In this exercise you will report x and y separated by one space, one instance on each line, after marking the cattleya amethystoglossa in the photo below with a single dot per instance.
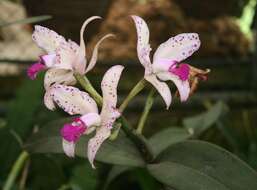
166 64
63 57
76 102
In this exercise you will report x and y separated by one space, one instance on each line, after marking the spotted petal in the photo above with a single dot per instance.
67 55
143 46
72 100
183 86
162 88
109 112
68 148
176 49
95 53
47 39
58 76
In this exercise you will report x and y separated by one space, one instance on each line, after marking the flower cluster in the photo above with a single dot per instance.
64 59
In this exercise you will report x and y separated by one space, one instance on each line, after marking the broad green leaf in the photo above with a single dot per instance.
21 115
200 159
83 177
181 177
27 20
199 123
115 172
162 140
121 151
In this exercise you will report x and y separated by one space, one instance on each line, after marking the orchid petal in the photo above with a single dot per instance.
48 60
47 39
68 148
91 119
95 53
109 85
82 42
143 46
66 55
162 88
58 76
109 112
34 69
94 143
72 100
48 100
176 49
183 86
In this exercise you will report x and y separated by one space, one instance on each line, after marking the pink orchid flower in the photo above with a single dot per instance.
62 57
73 101
166 64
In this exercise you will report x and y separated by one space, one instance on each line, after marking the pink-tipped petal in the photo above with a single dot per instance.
82 42
91 119
143 46
34 69
93 59
162 88
47 39
176 48
58 76
183 86
68 148
72 100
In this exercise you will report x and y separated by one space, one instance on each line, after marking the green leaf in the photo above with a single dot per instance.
27 20
199 123
121 151
183 178
206 165
84 177
115 172
162 140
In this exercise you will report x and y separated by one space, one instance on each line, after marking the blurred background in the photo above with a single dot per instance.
227 29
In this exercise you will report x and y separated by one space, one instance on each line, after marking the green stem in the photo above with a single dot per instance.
147 108
139 86
139 140
15 170
85 83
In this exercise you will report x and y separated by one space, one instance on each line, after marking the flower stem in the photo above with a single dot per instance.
139 140
139 86
85 83
15 170
147 108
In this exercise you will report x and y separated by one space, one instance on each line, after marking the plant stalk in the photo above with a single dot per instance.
139 86
15 170
147 108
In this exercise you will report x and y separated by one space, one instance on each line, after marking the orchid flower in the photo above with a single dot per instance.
73 101
62 57
166 64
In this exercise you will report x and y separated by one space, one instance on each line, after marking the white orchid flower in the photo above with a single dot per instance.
166 64
73 101
62 57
